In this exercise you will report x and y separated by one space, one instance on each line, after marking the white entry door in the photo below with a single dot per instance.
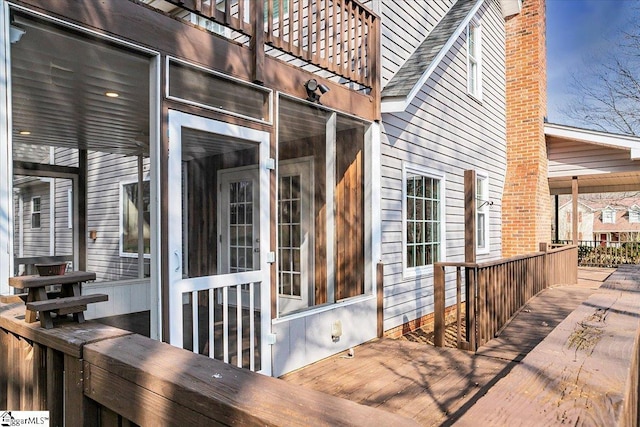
295 235
219 298
239 216
239 224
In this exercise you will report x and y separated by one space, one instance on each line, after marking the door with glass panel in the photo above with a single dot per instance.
239 218
295 235
219 302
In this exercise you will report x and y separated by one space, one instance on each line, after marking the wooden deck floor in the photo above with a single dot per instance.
542 314
435 386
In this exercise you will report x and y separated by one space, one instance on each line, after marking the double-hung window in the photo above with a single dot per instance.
482 213
36 210
423 204
130 207
474 62
608 216
634 214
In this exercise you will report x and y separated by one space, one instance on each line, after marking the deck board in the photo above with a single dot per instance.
404 377
437 385
541 315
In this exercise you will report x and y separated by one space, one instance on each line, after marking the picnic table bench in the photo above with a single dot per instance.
68 301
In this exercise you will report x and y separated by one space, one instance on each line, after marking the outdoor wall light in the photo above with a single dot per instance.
93 235
16 33
312 87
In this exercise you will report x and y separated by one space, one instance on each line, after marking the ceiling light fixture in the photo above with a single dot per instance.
312 86
112 94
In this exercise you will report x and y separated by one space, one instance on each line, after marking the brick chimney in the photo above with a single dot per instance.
526 204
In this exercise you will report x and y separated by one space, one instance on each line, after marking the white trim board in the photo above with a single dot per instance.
605 139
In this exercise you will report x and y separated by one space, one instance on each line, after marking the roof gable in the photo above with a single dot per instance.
406 83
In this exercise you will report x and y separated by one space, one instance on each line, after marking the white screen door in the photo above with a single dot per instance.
219 302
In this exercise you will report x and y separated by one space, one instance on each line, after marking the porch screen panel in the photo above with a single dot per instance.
349 200
81 124
220 204
308 133
302 138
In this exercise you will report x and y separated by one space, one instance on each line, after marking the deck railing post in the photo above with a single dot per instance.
438 304
256 12
471 274
4 367
546 265
55 386
79 410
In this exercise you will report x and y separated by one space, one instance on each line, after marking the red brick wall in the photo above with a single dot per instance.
526 205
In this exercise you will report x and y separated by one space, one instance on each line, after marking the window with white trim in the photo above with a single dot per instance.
482 212
129 239
423 219
474 63
608 216
36 209
69 208
634 214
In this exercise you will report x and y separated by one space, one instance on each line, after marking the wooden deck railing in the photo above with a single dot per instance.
94 374
341 36
605 253
495 291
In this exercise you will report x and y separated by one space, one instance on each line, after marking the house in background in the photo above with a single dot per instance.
586 216
239 170
604 219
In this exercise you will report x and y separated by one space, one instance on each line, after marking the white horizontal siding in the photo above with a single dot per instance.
63 234
446 130
105 173
35 241
404 26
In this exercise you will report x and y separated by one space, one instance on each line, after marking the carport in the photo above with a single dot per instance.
587 161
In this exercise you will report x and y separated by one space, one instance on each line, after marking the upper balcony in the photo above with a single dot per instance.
341 37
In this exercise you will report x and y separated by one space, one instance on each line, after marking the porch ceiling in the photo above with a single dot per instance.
601 161
59 81
603 183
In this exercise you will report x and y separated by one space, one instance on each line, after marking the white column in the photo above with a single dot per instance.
6 214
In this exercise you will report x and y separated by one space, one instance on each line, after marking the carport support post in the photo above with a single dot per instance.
574 215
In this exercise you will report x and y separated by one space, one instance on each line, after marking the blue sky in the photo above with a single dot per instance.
579 31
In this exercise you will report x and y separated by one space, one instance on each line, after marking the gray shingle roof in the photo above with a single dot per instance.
411 72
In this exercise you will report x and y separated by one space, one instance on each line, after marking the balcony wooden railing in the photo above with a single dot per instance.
94 374
341 36
497 290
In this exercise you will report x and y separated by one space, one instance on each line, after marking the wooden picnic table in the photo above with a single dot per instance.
69 301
